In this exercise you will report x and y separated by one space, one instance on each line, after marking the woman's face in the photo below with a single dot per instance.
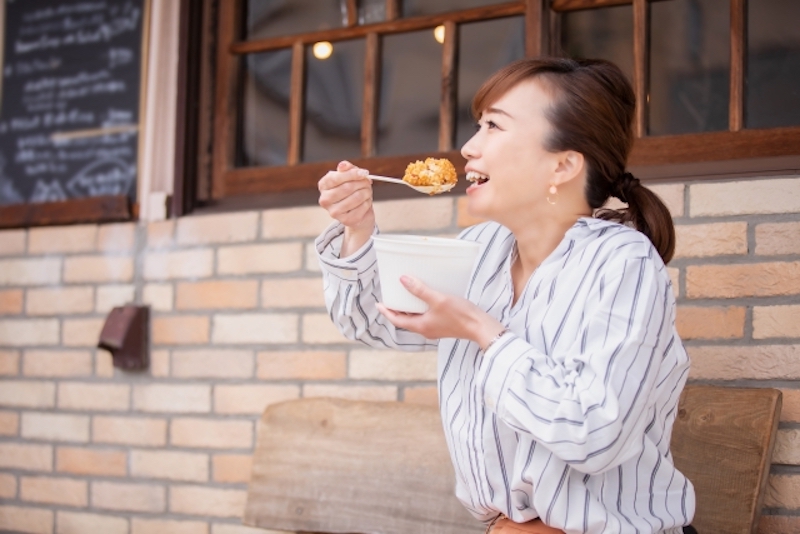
507 156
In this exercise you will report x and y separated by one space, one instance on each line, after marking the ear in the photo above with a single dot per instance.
570 166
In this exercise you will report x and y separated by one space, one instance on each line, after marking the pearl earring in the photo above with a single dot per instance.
554 193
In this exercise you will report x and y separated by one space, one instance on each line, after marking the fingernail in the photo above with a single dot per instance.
341 165
363 172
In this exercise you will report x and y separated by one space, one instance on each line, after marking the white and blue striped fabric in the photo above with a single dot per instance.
568 417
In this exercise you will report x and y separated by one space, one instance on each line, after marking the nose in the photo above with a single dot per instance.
470 148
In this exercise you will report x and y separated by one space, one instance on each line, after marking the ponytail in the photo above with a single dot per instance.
645 212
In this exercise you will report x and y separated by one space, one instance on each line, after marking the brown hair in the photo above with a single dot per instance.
592 113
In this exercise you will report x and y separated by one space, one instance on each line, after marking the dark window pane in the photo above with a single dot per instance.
334 97
265 108
603 33
773 63
689 66
478 61
371 11
271 18
410 93
418 8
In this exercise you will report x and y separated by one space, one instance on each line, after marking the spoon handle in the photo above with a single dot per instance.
387 179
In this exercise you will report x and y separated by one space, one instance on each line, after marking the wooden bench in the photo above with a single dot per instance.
337 466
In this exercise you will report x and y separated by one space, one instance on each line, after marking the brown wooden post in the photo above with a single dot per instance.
372 83
449 103
736 110
296 103
641 64
225 101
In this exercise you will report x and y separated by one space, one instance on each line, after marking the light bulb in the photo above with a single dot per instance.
438 33
322 50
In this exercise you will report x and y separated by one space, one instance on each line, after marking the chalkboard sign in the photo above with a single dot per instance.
69 111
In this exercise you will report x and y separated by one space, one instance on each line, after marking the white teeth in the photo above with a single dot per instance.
473 176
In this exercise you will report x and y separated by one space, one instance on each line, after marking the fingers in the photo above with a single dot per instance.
418 289
345 172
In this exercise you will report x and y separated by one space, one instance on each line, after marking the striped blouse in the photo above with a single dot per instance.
567 417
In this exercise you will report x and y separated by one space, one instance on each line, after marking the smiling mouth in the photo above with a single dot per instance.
477 178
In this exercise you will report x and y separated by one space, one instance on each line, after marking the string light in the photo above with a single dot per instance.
322 50
438 33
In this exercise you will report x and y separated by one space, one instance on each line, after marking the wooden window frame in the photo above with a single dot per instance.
735 152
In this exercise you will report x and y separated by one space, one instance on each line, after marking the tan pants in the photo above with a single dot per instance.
503 525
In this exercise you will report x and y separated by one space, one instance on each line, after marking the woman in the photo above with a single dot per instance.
560 373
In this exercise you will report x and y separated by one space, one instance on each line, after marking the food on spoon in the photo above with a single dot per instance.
438 173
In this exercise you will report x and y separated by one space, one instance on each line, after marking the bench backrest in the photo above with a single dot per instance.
338 466
722 441
331 465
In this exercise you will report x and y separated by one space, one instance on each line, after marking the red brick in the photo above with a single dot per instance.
734 362
81 523
421 395
99 397
743 280
166 526
302 365
11 302
9 423
26 456
790 410
9 362
199 500
128 497
715 239
251 399
143 431
25 519
181 330
57 363
232 468
776 321
217 294
211 433
51 490
55 426
212 363
170 465
707 322
172 398
8 486
92 462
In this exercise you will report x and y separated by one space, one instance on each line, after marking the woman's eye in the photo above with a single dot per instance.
491 125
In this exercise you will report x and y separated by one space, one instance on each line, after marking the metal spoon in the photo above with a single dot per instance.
427 189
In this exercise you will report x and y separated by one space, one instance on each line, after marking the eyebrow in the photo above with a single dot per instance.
498 111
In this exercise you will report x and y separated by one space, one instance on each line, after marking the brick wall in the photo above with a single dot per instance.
238 322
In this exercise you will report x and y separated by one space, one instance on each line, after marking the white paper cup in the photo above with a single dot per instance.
440 263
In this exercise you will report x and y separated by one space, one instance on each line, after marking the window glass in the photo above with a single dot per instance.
477 62
264 108
602 33
773 64
418 8
411 80
689 66
273 18
371 11
334 99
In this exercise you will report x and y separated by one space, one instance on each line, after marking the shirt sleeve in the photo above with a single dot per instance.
352 289
591 407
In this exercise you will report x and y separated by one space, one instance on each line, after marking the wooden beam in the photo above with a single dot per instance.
575 5
77 211
403 25
372 84
296 104
641 64
537 22
448 107
352 12
736 108
392 9
225 115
